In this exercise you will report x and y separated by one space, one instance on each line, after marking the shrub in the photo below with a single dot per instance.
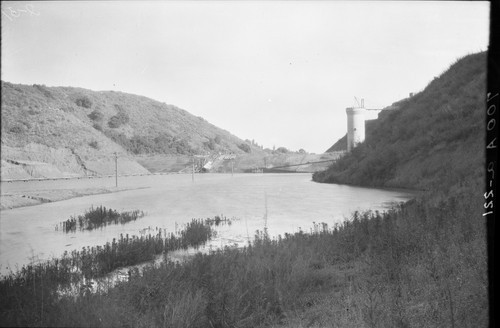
96 115
141 145
84 102
124 118
16 129
245 147
118 120
163 143
94 144
210 144
282 150
182 147
114 122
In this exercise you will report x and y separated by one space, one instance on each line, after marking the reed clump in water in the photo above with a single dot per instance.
98 217
219 220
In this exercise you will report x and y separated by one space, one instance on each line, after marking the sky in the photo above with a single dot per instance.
277 72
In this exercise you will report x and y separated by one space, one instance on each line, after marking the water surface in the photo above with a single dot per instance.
280 202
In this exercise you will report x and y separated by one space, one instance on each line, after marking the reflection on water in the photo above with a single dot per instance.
289 202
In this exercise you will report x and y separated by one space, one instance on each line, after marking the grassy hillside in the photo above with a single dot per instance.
434 139
89 126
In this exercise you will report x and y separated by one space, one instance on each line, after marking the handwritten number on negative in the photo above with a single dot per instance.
492 145
491 169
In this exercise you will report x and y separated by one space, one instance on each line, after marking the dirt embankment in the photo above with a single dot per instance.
289 162
29 198
35 161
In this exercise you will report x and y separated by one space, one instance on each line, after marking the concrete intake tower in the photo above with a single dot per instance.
355 126
356 118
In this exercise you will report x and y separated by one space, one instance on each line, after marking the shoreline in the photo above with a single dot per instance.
85 177
19 199
134 175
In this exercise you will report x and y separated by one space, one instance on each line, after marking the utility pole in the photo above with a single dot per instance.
265 214
232 167
192 175
116 169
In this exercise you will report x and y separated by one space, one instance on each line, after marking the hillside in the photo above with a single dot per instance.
66 131
434 140
340 145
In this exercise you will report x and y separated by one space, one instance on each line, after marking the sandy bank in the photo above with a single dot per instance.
29 198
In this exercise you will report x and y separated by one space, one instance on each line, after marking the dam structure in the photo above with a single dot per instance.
356 118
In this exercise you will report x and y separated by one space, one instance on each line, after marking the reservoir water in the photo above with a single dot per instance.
280 202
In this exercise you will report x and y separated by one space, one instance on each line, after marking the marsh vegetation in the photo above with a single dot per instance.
98 217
